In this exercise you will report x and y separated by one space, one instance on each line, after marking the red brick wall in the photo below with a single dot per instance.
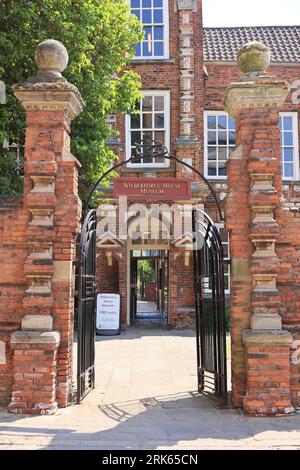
150 292
107 277
288 283
181 289
13 251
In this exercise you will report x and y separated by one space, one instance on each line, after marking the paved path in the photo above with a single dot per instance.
145 398
144 306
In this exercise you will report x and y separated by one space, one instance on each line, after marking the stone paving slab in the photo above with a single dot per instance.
146 398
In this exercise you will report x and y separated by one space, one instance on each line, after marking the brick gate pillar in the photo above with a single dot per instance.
43 347
260 347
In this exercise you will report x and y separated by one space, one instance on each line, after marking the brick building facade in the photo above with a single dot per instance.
191 74
185 72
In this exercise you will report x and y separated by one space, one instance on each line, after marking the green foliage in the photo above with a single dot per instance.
146 272
100 36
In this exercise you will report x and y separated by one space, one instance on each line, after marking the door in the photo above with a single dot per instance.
86 307
209 307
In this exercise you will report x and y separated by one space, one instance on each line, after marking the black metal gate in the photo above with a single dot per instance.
86 306
210 307
209 287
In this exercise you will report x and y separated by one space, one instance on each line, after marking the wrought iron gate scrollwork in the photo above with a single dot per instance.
209 307
86 306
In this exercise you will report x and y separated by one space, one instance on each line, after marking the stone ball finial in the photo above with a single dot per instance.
51 57
254 58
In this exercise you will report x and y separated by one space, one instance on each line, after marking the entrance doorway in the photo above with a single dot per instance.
149 287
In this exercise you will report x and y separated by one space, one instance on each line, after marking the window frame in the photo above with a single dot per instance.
215 113
166 32
296 176
167 113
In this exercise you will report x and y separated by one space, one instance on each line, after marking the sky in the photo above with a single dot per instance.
251 12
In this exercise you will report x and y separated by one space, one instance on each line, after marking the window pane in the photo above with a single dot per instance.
136 13
222 138
212 153
211 122
226 277
212 138
159 48
232 137
159 121
146 16
157 16
225 246
212 171
288 138
159 103
146 3
222 122
147 121
157 3
147 49
288 154
288 123
135 121
147 137
222 153
159 158
135 138
231 123
138 50
147 103
158 32
222 169
135 3
288 170
224 237
159 137
148 33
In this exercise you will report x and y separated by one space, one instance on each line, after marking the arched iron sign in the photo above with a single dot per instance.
86 276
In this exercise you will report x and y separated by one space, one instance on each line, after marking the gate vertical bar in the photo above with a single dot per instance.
86 307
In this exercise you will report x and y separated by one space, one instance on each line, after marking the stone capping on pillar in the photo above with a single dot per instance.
48 89
261 93
256 89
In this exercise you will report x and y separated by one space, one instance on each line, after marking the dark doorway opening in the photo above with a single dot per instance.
149 287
